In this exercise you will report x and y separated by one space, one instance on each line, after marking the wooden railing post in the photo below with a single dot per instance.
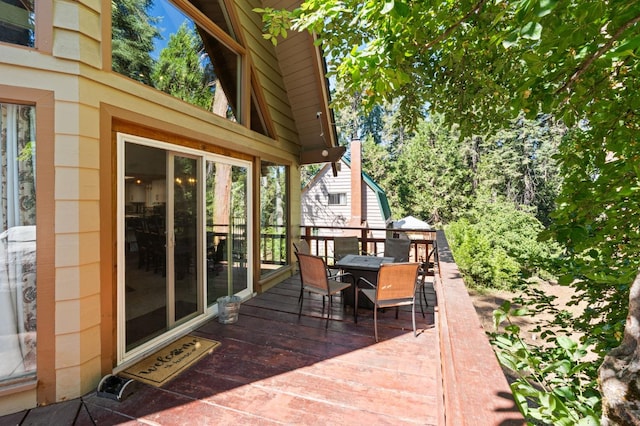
364 240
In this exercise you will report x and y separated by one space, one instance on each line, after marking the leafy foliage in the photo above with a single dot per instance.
555 381
598 219
479 62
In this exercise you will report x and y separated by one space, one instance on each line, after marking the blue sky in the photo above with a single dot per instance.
170 20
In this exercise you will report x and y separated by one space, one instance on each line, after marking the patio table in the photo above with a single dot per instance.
360 266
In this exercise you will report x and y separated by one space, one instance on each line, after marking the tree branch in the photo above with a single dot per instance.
591 59
453 27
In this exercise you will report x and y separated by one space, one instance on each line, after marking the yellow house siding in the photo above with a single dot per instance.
87 343
84 376
262 51
14 401
76 183
263 56
34 70
76 195
82 91
72 316
113 89
76 36
77 32
77 16
77 216
78 366
77 281
284 133
76 150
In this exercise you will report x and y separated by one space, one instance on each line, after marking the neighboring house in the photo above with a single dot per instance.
349 199
126 211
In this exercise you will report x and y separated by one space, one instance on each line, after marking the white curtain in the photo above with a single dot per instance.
17 242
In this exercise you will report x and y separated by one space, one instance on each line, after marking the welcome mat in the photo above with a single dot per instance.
168 362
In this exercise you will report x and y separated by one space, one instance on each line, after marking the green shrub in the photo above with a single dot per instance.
497 246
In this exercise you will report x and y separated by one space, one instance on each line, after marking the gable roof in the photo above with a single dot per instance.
303 70
381 196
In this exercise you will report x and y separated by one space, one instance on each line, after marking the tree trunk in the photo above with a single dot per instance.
220 103
619 376
222 189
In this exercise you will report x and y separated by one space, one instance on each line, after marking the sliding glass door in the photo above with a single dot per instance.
227 232
184 239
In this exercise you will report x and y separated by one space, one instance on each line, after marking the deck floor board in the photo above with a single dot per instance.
276 368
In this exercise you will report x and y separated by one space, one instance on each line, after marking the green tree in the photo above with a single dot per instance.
435 172
518 163
373 124
132 35
183 69
496 245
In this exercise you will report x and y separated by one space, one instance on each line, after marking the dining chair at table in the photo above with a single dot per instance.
314 279
396 287
343 246
301 246
398 248
427 274
424 278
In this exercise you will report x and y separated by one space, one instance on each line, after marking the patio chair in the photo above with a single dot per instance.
314 279
343 246
428 268
301 246
396 287
398 248
421 283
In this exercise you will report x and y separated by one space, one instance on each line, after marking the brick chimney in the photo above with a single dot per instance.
356 183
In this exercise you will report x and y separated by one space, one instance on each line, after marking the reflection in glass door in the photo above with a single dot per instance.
184 239
227 237
161 223
146 284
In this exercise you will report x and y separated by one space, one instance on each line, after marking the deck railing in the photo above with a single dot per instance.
321 241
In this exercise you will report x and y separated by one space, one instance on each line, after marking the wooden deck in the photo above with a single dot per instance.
273 368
